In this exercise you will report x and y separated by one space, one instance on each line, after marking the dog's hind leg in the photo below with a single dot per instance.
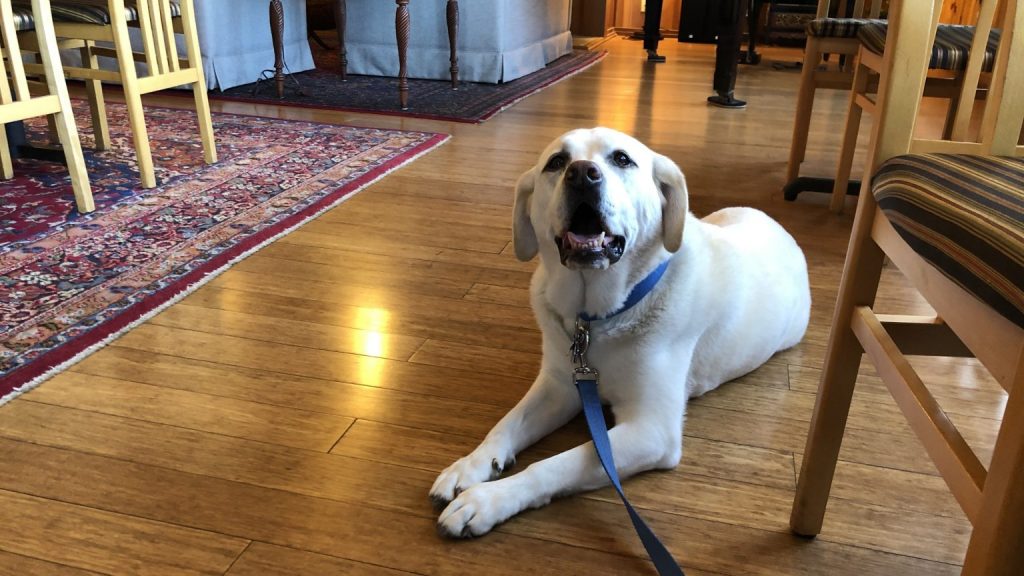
549 404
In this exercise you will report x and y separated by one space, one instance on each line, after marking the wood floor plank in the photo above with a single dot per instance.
392 302
374 343
419 323
311 473
353 368
345 530
261 559
572 534
485 360
109 542
296 392
18 565
194 410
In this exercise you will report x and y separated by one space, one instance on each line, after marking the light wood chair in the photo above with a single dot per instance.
18 104
949 213
832 33
82 23
949 62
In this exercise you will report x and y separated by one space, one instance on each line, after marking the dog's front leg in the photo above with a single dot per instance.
548 404
646 437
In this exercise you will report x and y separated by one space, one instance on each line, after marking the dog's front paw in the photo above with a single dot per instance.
477 510
468 471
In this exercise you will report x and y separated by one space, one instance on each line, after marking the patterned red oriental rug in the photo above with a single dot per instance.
473 102
71 283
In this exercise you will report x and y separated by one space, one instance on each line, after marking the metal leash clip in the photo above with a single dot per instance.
578 349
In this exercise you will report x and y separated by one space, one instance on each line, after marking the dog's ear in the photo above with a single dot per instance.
523 236
675 206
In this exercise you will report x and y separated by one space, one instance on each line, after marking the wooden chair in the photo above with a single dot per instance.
832 33
949 214
19 104
82 23
949 59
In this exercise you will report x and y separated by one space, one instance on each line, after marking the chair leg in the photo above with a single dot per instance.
188 24
804 107
52 136
850 132
995 548
6 165
133 98
205 121
859 284
64 119
94 89
76 161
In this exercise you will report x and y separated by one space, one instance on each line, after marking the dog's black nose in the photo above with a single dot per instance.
582 174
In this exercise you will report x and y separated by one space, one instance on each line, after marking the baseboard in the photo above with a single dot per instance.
626 32
592 42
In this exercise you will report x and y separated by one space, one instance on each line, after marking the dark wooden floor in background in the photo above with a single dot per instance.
289 417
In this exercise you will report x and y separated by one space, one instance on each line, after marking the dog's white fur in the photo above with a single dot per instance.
735 293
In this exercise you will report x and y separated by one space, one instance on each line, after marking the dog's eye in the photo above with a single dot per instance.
557 162
622 160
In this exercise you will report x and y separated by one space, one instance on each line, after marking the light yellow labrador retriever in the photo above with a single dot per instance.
602 211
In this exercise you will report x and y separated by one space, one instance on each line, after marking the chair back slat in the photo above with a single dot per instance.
170 40
841 9
907 53
159 45
1004 108
148 49
972 74
156 18
17 69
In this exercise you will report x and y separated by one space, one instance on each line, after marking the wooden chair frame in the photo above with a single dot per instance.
965 87
20 104
993 500
813 78
166 69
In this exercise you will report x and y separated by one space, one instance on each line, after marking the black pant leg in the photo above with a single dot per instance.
652 24
728 47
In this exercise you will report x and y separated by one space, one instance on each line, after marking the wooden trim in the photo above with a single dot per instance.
959 465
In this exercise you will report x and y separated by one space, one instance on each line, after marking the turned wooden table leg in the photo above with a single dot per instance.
402 25
340 10
277 35
453 34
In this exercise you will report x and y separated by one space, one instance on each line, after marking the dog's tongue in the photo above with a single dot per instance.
584 241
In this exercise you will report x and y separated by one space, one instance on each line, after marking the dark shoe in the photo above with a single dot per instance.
653 56
726 102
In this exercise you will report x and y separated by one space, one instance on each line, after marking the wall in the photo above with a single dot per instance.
629 17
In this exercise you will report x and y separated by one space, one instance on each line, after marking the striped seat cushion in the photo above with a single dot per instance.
951 48
836 27
965 215
23 19
92 11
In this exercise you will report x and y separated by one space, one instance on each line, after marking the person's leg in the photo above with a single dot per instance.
652 30
726 56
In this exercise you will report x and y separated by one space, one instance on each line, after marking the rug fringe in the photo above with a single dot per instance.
50 373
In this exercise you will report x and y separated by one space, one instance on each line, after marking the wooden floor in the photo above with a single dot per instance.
289 417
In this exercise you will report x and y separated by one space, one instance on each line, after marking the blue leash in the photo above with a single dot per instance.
585 379
662 558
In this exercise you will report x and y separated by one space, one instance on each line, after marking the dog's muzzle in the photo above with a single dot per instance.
586 241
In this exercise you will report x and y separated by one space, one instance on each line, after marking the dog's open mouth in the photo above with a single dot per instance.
587 243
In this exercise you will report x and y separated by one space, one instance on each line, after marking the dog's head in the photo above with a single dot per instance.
595 195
